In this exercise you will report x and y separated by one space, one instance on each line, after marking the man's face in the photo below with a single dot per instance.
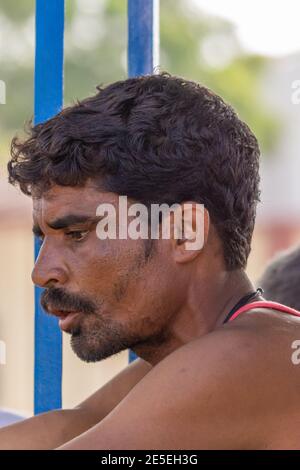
109 294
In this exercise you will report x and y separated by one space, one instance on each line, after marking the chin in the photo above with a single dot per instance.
88 351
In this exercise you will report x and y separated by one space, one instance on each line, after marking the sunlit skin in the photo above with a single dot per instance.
198 384
152 305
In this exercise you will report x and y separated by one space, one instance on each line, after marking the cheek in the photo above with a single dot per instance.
149 290
102 265
163 285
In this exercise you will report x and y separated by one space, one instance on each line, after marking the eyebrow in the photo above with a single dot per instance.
66 221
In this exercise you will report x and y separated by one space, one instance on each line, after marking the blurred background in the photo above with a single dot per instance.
248 52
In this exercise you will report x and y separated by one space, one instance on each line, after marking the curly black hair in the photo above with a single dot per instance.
157 139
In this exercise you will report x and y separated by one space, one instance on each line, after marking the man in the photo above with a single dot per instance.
281 278
198 383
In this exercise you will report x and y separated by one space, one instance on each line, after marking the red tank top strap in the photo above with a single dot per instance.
265 304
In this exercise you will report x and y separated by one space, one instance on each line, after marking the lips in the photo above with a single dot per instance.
67 320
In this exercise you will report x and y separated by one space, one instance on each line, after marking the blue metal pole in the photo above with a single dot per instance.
143 36
143 46
48 100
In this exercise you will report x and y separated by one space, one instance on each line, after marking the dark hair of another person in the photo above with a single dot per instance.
281 278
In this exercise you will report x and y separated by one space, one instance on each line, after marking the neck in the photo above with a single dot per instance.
241 287
205 309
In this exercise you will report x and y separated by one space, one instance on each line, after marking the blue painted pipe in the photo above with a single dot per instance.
143 36
48 100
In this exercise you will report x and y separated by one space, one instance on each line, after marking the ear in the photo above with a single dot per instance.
190 231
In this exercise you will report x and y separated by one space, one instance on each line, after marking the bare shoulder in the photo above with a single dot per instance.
237 384
206 394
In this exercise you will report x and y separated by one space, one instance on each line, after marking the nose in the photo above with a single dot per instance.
49 269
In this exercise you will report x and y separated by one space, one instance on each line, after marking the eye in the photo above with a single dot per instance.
77 235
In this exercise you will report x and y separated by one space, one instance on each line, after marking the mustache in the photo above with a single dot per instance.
58 299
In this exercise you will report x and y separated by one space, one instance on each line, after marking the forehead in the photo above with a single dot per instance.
59 200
